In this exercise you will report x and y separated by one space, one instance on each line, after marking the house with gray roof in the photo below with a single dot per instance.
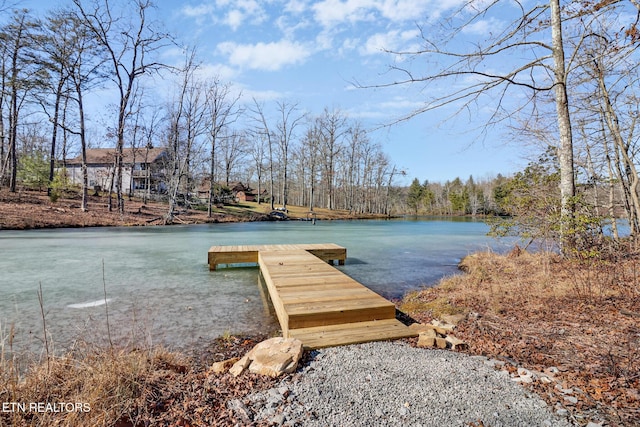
143 169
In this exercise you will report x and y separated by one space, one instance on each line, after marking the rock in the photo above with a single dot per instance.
456 343
428 332
427 339
241 410
545 379
220 367
453 319
443 327
524 372
440 328
523 376
240 366
273 357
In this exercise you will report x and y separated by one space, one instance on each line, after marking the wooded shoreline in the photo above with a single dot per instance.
25 210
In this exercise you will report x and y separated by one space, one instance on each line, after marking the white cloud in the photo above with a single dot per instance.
242 11
231 13
295 6
265 56
234 18
402 10
324 40
333 12
392 40
197 11
349 45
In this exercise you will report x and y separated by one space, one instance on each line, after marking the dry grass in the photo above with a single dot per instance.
106 387
539 311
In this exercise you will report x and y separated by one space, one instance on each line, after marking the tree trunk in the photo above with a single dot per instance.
565 149
54 131
633 202
212 177
83 144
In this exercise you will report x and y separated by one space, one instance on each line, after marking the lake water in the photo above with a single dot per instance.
159 288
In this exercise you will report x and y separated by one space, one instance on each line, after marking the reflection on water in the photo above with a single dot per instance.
159 289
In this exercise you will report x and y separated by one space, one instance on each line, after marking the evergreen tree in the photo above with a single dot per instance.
415 196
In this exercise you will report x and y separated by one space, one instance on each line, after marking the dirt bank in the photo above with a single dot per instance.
27 209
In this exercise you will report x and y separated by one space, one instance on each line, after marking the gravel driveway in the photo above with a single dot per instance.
394 384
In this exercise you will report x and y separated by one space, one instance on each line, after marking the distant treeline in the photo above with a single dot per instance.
456 197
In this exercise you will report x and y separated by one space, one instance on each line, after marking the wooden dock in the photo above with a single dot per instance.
314 301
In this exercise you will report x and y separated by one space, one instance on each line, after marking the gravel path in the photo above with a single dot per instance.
394 384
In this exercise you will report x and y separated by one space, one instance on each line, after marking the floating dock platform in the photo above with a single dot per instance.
314 301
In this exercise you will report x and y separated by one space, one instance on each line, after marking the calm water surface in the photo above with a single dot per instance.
159 288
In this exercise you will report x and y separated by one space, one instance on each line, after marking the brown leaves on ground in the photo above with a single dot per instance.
33 209
540 311
133 388
28 209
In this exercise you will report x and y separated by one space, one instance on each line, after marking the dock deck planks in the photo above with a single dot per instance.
249 253
314 301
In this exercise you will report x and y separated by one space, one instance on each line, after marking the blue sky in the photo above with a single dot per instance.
312 52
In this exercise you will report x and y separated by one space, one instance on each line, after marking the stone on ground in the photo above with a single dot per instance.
273 357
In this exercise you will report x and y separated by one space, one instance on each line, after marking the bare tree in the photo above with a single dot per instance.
311 156
358 138
130 41
288 121
262 130
76 58
332 126
223 111
233 148
189 121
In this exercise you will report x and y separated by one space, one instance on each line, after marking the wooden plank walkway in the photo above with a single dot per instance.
313 301
249 253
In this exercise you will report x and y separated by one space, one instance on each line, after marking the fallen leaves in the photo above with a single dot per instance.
538 311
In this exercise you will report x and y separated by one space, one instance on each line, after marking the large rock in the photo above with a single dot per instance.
427 338
439 327
220 367
453 319
273 357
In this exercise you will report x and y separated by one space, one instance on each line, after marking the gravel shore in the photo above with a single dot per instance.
394 384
